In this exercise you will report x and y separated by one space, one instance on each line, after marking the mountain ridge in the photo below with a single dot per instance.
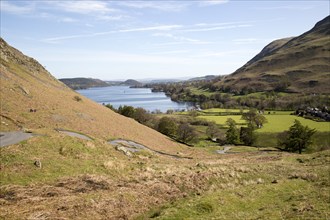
298 64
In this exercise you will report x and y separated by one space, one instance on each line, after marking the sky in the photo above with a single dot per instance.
113 40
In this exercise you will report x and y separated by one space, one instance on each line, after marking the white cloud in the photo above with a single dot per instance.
100 10
170 52
141 29
111 17
83 7
221 27
212 2
169 6
152 28
245 40
251 41
285 7
67 20
117 57
15 9
178 38
225 53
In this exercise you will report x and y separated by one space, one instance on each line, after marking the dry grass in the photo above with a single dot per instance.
149 184
27 85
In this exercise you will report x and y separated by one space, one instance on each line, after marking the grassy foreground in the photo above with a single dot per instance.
275 186
82 179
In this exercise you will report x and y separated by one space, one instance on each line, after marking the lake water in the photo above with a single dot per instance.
136 97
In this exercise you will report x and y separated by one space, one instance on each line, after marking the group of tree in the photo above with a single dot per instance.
178 130
296 139
226 97
243 135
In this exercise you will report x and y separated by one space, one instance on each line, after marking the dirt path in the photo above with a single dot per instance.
131 146
75 134
225 149
13 137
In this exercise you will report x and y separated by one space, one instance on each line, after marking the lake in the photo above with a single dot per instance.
136 97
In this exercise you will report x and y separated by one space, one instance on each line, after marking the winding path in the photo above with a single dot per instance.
13 137
225 149
135 147
74 134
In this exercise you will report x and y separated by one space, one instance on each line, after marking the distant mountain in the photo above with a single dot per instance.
132 82
83 83
298 64
205 78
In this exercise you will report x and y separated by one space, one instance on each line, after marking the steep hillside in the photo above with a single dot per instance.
83 83
299 64
31 98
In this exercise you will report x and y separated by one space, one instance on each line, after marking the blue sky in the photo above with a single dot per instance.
151 39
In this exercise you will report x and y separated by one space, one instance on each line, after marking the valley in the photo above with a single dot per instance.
256 145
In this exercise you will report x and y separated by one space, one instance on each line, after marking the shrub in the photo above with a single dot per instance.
127 111
77 98
167 126
186 133
212 130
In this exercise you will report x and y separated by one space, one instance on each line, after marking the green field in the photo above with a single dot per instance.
278 121
222 110
221 120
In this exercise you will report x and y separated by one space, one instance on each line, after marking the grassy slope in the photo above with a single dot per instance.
26 85
245 189
298 61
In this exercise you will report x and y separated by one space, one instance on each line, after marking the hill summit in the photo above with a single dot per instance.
298 64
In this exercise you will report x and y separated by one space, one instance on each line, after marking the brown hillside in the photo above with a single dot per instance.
25 85
300 64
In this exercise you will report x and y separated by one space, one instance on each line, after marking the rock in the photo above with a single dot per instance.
124 150
260 181
37 163
274 181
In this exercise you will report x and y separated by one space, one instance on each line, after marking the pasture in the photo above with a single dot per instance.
278 121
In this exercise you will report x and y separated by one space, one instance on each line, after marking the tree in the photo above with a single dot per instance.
212 130
297 138
141 115
186 133
109 106
247 135
254 118
167 126
127 111
232 134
